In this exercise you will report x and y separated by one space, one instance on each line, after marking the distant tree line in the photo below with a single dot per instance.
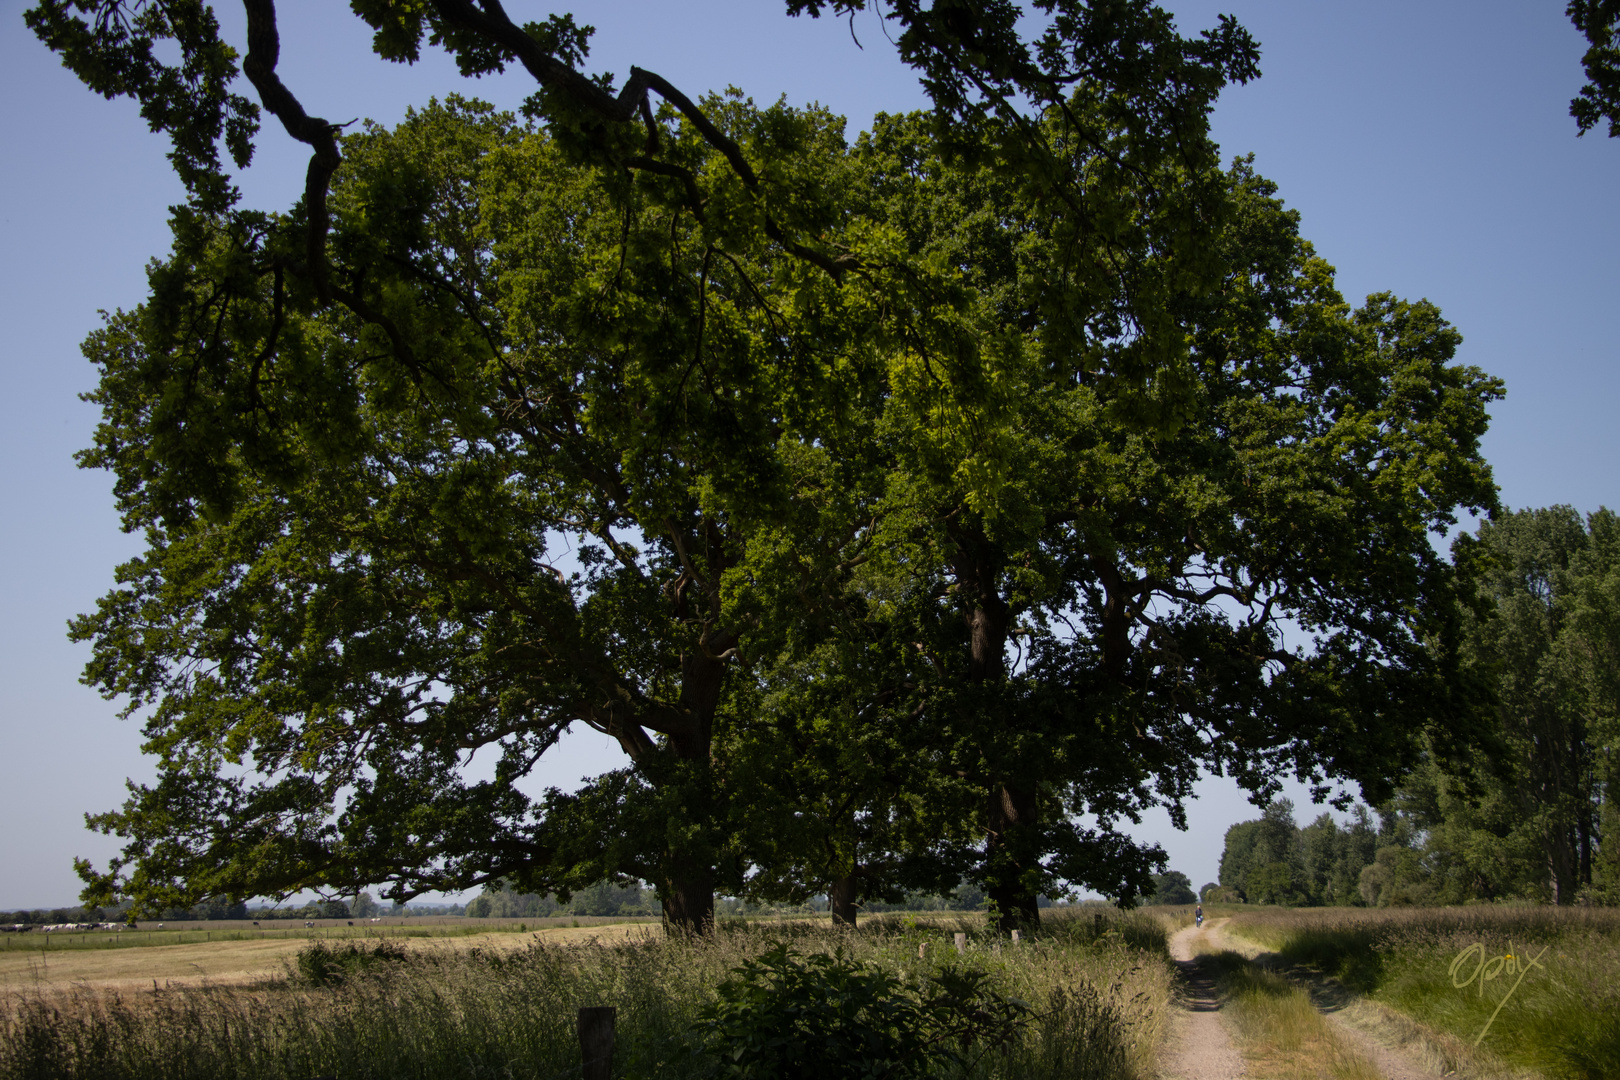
608 899
362 906
1272 861
1526 813
603 898
50 916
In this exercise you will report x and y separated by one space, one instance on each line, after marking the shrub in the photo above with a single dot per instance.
833 1017
320 964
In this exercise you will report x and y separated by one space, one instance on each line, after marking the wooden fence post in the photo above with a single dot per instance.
1097 920
1015 937
596 1041
961 943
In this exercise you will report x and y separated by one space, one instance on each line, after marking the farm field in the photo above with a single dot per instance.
182 957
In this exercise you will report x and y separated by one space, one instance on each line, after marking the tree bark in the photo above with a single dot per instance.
1561 865
1012 805
1012 809
689 892
689 899
841 898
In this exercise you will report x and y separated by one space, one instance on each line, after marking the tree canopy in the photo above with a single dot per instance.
1535 817
1529 812
935 502
1599 99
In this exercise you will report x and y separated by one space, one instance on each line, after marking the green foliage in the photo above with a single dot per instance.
1529 814
1599 99
1172 887
790 1016
122 51
321 963
1272 861
924 496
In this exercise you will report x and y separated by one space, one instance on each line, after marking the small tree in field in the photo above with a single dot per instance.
1172 887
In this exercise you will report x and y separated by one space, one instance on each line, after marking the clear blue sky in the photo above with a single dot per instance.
1427 145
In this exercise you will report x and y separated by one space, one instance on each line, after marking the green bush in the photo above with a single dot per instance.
833 1017
321 964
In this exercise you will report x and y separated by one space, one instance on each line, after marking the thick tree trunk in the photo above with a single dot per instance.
841 898
1012 812
689 900
1561 866
1011 815
1583 836
689 885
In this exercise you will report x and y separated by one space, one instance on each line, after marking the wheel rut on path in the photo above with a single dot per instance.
1330 999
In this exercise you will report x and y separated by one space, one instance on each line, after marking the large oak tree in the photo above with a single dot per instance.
1085 582
991 453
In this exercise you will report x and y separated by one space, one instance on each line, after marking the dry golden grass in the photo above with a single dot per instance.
467 1009
241 961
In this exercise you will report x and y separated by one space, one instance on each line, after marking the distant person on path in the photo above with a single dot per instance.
1198 913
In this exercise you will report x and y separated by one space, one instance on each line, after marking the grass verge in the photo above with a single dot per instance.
1279 1031
1532 986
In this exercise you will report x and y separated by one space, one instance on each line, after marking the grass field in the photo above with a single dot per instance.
504 1005
1538 987
193 933
189 959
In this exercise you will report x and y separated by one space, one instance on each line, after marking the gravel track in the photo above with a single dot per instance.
1198 1046
1330 1000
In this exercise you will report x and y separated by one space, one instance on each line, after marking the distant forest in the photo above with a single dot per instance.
1527 810
1428 846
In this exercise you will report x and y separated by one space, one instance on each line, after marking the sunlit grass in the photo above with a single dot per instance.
1559 1016
1101 991
1281 1034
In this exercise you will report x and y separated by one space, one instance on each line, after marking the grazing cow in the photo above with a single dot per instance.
308 925
351 922
255 922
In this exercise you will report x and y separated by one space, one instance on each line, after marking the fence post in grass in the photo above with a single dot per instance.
1097 921
961 943
596 1041
1015 937
922 951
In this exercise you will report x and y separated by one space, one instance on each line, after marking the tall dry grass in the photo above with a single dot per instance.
1561 1019
1102 992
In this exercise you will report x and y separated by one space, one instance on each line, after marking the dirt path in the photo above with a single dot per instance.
1198 1046
1339 1006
